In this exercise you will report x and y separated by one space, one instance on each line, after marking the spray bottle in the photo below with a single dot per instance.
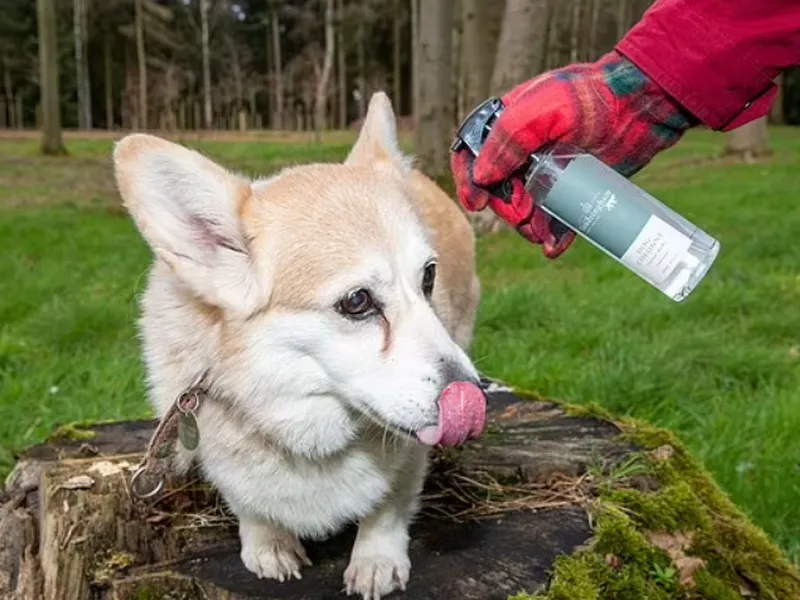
583 194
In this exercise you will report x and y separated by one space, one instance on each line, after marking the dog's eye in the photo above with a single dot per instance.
428 278
357 304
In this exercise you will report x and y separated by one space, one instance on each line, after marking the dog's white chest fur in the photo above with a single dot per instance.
311 498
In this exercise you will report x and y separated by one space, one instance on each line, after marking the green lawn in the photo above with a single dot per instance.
722 369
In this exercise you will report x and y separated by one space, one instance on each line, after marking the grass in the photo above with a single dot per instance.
721 369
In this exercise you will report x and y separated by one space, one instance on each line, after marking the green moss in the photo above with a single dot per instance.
151 591
575 580
588 411
622 564
148 592
71 432
733 546
109 564
673 508
708 586
619 564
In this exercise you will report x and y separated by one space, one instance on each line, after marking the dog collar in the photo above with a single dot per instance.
178 424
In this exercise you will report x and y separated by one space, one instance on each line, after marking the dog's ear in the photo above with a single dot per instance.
377 142
187 209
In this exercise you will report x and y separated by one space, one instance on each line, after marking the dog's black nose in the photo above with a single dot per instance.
450 371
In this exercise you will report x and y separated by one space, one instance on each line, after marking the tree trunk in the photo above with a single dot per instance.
205 6
480 31
108 83
458 82
415 61
321 98
543 495
141 57
520 53
623 17
524 23
362 69
397 31
342 67
48 78
20 112
776 113
594 29
541 52
277 73
435 126
9 90
749 141
575 37
268 70
82 65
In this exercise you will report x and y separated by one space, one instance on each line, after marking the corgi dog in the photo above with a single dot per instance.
332 307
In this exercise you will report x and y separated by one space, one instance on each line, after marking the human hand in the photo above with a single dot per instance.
608 108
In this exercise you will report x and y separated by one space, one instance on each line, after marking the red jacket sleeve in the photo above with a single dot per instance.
718 58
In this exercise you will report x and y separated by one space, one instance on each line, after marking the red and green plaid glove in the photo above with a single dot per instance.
608 108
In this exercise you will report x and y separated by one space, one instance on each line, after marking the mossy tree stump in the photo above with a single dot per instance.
553 502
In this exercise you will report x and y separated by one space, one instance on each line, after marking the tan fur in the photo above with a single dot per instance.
455 242
246 282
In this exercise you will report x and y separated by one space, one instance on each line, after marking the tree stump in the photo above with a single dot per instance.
553 500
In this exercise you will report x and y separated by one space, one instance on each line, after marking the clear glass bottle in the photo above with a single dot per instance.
609 211
621 219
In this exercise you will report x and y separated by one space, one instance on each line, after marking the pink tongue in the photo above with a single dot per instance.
462 415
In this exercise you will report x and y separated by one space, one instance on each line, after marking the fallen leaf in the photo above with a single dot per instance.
675 545
687 566
664 452
745 592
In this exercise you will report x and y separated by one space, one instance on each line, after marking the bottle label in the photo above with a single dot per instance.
604 206
657 250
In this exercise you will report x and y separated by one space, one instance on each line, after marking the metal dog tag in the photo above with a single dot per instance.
188 431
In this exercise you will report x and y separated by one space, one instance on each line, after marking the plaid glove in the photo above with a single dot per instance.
608 108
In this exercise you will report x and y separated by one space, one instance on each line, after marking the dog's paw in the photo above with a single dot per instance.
376 576
273 555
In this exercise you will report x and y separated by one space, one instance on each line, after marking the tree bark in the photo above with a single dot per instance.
575 37
108 83
9 90
362 67
82 65
749 141
594 29
397 30
776 113
52 142
623 17
205 6
524 23
458 80
277 71
480 30
321 99
342 67
434 129
141 58
415 61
